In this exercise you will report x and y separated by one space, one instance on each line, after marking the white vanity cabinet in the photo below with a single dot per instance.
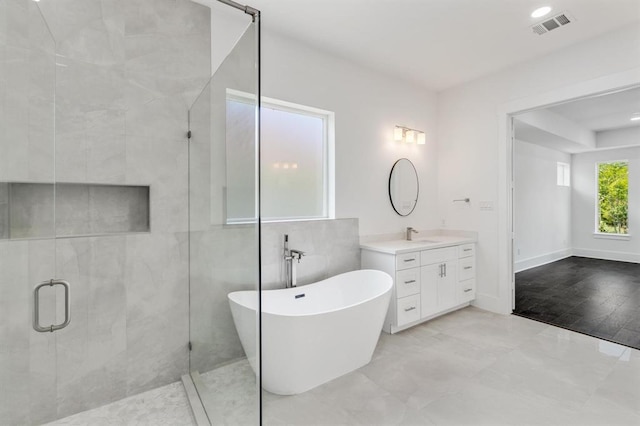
428 282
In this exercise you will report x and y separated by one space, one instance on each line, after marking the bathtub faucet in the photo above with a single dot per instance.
289 267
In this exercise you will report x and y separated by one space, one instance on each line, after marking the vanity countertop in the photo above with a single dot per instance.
417 244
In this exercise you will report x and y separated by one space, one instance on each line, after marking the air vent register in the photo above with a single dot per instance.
552 23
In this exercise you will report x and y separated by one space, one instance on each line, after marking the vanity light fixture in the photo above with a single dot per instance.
407 135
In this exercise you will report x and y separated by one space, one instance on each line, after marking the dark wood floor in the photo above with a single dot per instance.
591 296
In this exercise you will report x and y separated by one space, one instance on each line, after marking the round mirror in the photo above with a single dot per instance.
403 187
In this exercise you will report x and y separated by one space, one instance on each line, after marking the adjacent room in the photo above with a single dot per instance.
576 200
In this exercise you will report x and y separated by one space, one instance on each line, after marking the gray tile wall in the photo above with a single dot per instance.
127 72
221 258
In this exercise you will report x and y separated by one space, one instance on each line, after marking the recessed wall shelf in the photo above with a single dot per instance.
44 210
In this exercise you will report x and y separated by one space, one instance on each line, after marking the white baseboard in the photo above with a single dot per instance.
492 304
532 262
620 256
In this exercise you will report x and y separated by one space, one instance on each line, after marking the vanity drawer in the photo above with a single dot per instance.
466 250
429 257
466 291
407 282
466 268
407 260
408 309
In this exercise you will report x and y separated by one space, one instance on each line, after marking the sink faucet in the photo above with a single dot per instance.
289 267
410 231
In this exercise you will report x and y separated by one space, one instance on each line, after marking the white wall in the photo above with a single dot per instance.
367 106
584 206
470 151
542 209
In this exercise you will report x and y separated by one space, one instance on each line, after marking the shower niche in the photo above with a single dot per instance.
79 209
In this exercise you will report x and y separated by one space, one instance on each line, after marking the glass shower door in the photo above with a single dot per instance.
224 232
28 376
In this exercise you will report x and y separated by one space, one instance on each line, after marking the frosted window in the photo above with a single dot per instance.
294 162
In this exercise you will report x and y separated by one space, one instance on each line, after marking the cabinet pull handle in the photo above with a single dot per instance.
466 250
467 267
468 290
410 260
440 270
445 269
410 282
409 309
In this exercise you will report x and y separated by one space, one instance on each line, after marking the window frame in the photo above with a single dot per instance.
328 151
597 233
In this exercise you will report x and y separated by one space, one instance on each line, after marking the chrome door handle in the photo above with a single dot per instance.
36 306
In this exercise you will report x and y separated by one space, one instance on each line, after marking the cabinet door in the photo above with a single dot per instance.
429 279
446 288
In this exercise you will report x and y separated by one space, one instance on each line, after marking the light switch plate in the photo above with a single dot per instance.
486 205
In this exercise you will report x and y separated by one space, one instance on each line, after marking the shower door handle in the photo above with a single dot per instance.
36 306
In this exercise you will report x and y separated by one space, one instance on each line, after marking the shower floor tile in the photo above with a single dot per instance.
164 406
597 297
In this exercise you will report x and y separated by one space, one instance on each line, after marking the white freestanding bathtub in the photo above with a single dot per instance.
314 333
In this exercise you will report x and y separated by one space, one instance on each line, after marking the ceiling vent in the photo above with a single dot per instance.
552 23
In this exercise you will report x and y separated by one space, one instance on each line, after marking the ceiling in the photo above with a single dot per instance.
599 113
439 43
604 112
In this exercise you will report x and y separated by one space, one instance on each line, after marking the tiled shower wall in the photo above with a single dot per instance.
127 72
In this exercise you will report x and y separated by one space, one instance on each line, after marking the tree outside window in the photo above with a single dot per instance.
613 193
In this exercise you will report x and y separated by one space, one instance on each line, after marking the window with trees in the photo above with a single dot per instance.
613 195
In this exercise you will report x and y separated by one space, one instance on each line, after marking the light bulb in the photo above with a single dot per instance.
410 136
422 138
398 133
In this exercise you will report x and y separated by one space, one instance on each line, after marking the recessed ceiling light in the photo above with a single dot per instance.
540 12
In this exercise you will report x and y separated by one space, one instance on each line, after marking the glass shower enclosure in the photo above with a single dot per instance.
224 234
123 225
